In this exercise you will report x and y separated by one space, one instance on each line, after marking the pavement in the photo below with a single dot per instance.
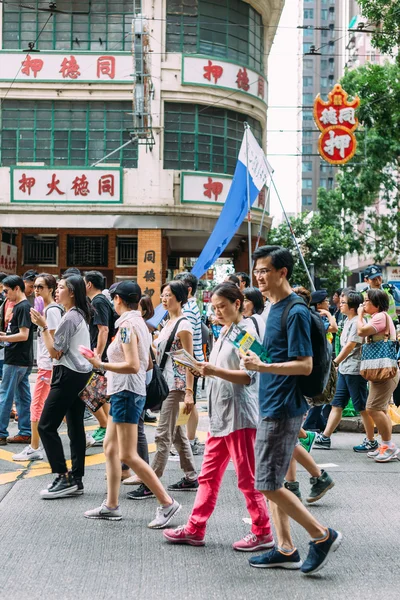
49 550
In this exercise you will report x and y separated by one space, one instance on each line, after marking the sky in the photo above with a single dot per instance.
283 82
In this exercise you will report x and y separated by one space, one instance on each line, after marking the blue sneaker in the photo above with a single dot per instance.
274 558
318 553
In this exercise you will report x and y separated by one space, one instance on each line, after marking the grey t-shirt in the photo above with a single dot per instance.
351 364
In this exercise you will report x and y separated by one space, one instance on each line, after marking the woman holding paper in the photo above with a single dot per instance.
233 412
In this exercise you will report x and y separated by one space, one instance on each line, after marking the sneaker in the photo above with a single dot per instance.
321 441
134 480
319 486
148 418
293 486
184 485
366 446
309 441
318 553
181 536
164 515
141 493
29 453
61 487
197 447
99 436
103 512
80 490
173 451
252 542
88 415
276 558
3 441
19 439
386 454
90 441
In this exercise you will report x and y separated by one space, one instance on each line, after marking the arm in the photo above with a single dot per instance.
302 365
21 336
101 339
363 329
186 338
333 328
240 377
131 364
345 351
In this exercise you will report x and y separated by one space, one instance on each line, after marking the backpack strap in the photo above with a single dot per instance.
169 343
255 325
285 313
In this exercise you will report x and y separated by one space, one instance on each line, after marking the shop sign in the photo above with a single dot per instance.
210 188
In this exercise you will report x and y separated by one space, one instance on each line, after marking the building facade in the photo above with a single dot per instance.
66 88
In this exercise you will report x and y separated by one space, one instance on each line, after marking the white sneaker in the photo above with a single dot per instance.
90 441
29 453
164 515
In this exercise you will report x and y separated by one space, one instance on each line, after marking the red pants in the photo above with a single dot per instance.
238 446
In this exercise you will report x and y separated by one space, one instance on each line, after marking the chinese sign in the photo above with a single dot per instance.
69 68
66 185
150 263
212 72
207 188
8 258
337 122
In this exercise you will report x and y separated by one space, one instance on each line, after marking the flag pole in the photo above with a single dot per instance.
266 203
246 130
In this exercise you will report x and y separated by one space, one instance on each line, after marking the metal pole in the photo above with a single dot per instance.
247 127
133 139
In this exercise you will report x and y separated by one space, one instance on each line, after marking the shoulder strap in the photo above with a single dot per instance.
255 325
169 343
285 313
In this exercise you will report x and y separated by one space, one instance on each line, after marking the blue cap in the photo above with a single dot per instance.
372 272
318 296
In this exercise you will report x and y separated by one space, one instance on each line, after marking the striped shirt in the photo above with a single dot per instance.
192 313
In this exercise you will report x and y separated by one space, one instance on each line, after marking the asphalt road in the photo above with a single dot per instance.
49 550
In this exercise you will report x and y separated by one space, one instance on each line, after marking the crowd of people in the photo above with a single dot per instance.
259 417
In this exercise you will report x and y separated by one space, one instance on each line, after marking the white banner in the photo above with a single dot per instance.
209 188
8 258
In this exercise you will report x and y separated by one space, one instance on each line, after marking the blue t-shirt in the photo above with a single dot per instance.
280 395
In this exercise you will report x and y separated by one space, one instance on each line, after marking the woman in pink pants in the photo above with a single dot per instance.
233 412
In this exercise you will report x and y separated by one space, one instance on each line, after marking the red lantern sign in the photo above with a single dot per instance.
337 121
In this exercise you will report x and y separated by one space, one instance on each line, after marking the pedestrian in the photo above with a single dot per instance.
244 280
18 361
71 372
350 383
2 306
282 407
253 307
232 278
376 304
45 287
320 303
233 411
373 277
192 313
180 382
320 480
128 359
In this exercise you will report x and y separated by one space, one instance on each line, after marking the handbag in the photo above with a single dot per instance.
94 394
378 358
157 390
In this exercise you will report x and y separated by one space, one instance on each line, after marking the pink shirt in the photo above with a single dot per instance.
379 323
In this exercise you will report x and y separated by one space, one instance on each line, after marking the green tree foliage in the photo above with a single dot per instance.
383 16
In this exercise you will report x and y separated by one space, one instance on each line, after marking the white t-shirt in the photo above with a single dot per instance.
175 375
53 315
260 329
265 313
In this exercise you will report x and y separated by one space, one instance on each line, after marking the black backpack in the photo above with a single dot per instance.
314 384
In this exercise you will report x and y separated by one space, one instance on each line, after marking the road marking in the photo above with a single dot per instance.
327 465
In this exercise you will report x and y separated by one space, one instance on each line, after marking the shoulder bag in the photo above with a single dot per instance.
378 358
94 394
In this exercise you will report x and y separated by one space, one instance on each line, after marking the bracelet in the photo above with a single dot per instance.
102 367
189 390
45 328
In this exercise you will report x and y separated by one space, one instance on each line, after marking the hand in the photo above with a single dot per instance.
37 318
325 313
189 403
205 369
360 310
251 361
95 361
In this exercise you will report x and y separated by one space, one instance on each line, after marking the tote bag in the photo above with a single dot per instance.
378 358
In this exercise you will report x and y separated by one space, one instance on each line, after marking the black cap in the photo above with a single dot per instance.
372 272
127 290
318 296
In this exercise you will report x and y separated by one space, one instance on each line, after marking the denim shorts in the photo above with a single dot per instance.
350 386
275 441
126 407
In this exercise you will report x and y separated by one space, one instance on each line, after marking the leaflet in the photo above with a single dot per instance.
244 341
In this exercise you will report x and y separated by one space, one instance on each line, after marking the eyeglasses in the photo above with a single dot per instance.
165 296
257 272
39 287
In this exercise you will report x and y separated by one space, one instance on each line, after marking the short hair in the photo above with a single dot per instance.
354 299
379 299
230 291
70 271
188 279
2 276
255 296
179 290
303 293
347 290
50 280
95 278
12 281
30 275
244 277
233 279
147 305
280 257
338 291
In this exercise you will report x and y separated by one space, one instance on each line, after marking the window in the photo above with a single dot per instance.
307 149
307 81
308 99
307 47
307 134
126 251
308 63
324 64
225 28
308 13
66 133
324 82
306 166
307 184
308 32
87 251
307 115
323 183
325 168
97 25
306 200
198 138
324 14
40 250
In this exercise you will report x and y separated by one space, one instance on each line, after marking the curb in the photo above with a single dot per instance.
355 424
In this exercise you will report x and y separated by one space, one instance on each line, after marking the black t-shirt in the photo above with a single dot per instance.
20 353
103 315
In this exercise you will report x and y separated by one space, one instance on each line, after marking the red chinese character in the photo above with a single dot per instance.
106 185
106 66
214 71
53 186
27 184
70 68
213 188
242 80
80 186
261 87
35 64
